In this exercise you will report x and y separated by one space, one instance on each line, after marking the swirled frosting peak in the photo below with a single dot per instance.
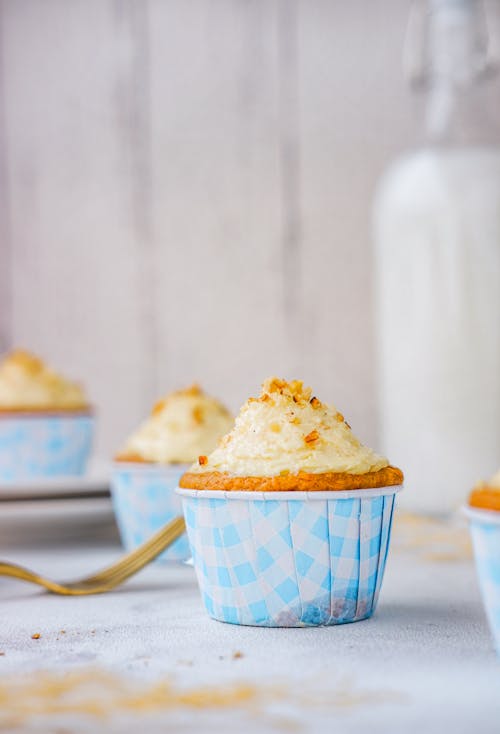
288 430
181 426
26 383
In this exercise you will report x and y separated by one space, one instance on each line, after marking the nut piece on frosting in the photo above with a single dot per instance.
287 439
181 426
27 384
486 495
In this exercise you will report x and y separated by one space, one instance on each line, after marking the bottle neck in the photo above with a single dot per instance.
454 71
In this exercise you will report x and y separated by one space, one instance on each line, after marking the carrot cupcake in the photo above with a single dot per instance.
289 517
146 471
483 511
46 422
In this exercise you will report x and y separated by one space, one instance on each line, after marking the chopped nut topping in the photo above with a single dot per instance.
238 654
294 389
275 427
295 421
158 407
202 460
311 437
266 398
339 417
315 402
35 636
198 415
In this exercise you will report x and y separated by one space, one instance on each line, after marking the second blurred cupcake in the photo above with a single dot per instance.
46 423
146 471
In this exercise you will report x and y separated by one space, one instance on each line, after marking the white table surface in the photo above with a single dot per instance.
423 663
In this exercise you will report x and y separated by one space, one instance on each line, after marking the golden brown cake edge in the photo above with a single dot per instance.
301 482
485 498
45 411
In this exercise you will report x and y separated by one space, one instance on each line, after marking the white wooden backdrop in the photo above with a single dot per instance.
186 191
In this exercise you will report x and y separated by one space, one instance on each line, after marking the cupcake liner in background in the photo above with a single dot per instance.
144 500
485 531
289 559
34 446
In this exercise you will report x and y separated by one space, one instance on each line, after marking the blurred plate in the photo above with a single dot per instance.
56 487
51 520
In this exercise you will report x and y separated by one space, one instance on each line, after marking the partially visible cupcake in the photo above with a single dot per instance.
46 422
146 472
484 514
289 518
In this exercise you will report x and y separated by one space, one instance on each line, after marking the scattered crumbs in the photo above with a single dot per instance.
35 636
97 693
62 632
2 654
237 655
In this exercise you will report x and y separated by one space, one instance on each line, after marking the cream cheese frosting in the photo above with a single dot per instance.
287 430
182 426
26 383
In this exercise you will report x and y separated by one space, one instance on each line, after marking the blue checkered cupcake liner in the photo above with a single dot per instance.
44 445
485 531
289 559
144 500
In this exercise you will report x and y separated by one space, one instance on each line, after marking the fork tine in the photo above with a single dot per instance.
121 574
135 564
140 556
110 577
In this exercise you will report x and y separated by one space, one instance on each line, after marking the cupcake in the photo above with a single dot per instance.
289 518
46 423
146 471
484 515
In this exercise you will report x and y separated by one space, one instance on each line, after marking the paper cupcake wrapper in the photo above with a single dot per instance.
37 446
485 531
145 500
289 559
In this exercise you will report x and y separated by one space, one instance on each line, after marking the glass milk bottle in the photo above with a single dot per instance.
437 264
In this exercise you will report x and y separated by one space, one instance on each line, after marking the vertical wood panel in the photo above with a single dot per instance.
5 239
217 207
74 178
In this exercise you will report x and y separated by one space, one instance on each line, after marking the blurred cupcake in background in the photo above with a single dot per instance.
146 471
46 423
289 518
483 511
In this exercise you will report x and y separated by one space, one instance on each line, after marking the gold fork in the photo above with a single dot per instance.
110 577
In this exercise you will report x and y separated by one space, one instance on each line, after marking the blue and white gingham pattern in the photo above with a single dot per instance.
35 446
486 540
145 500
288 562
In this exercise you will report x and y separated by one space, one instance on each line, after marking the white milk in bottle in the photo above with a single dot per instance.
437 260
